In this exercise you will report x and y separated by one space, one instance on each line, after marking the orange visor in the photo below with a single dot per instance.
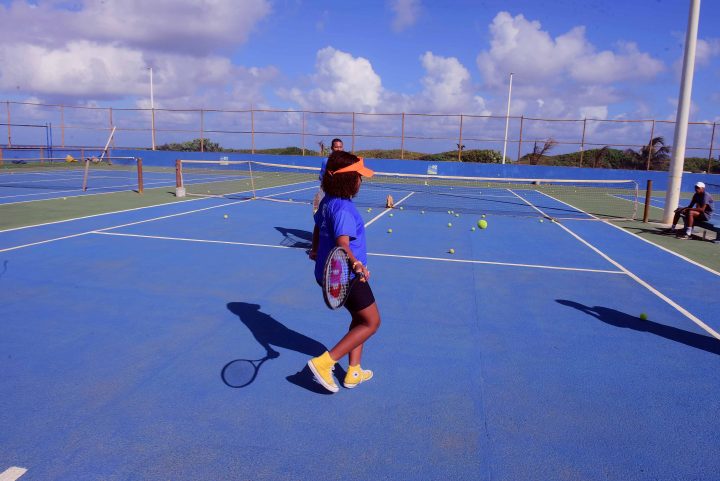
358 167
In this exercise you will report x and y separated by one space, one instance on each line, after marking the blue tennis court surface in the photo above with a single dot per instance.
520 356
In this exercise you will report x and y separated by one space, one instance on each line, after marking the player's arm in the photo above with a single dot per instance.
357 266
315 239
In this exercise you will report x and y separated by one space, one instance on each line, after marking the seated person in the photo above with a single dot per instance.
700 209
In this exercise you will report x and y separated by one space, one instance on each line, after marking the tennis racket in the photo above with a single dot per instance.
338 278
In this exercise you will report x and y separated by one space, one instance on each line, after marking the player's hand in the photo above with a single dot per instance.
312 255
362 271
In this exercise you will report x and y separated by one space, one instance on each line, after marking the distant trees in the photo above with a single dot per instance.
193 146
654 156
540 151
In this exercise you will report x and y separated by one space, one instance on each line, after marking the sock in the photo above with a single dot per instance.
688 231
326 360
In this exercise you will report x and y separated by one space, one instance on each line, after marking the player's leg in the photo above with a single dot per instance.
368 322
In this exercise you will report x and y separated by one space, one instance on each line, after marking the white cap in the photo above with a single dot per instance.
700 184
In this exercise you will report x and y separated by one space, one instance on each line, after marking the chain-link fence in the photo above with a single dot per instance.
589 142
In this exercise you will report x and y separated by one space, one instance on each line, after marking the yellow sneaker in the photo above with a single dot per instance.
355 375
322 368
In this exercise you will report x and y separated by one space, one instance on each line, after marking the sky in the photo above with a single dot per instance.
603 59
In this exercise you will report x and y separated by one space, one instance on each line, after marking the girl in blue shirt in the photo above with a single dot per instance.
338 223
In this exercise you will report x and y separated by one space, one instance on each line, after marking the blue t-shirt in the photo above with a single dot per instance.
703 199
336 217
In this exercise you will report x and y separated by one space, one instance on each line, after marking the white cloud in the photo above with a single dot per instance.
342 82
406 13
521 46
101 50
447 87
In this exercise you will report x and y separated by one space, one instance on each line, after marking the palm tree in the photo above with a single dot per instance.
539 152
652 156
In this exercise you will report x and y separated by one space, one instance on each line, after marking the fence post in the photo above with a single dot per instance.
522 118
62 126
152 126
712 142
460 142
649 156
402 137
252 129
648 199
8 125
110 117
353 133
303 133
582 142
202 130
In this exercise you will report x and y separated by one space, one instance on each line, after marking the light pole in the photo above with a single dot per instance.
507 118
152 108
672 196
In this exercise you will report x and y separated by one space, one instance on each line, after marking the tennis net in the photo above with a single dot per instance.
70 174
551 198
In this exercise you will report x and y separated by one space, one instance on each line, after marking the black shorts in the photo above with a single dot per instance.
704 216
360 297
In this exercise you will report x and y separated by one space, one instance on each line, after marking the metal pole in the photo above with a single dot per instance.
460 140
582 142
353 133
507 118
62 126
402 137
652 135
111 125
152 108
202 130
303 133
522 118
8 125
672 197
252 131
712 141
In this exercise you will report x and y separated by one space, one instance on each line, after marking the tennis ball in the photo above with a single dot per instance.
643 316
542 220
369 210
483 216
452 251
482 224
391 214
422 211
389 231
472 229
449 224
225 216
401 207
457 215
449 212
64 198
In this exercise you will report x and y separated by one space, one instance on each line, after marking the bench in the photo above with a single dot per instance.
713 225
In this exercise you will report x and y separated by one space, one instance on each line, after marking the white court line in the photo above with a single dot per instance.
13 473
388 209
686 259
647 286
375 254
147 220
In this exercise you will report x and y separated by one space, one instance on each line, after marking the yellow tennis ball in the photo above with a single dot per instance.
483 216
401 207
422 211
643 316
225 216
391 214
449 224
452 251
457 215
472 229
482 224
542 220
389 231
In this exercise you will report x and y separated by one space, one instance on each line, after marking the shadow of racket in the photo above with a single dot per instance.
242 372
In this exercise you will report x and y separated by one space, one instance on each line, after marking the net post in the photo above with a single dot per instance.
252 180
85 175
141 187
179 187
648 199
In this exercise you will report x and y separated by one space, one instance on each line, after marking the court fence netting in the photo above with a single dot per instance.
553 198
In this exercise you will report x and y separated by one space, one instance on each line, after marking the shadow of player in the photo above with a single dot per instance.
270 333
620 319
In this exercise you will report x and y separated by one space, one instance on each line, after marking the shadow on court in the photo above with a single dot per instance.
295 238
269 333
616 318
